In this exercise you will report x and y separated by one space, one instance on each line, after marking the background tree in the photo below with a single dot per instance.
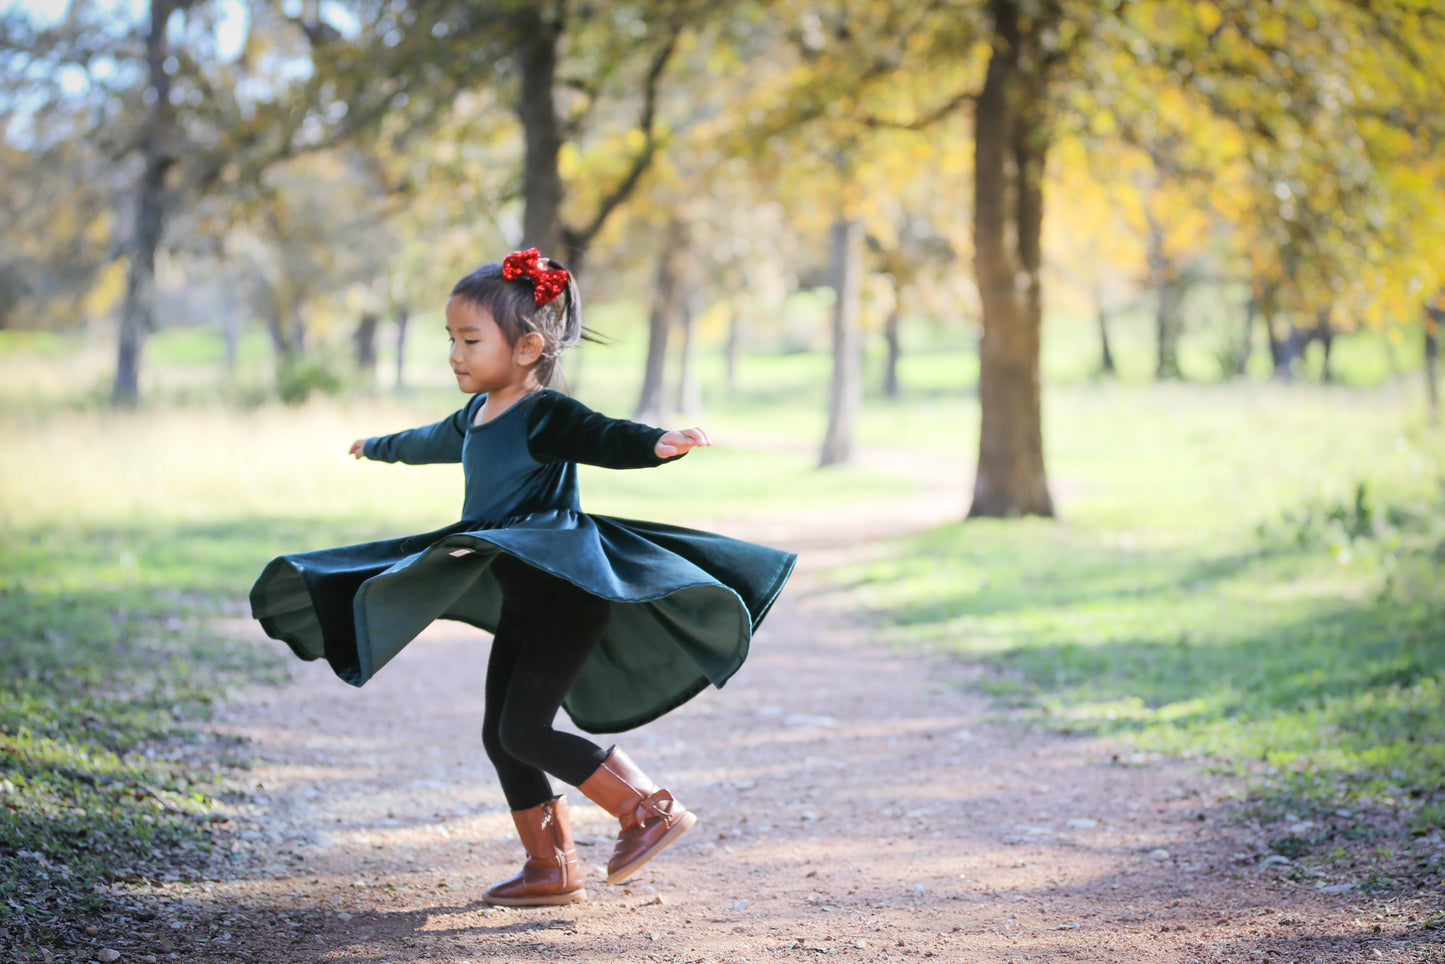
1308 166
187 119
1095 246
837 119
57 233
510 121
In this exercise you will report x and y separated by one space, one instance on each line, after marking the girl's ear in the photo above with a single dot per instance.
529 348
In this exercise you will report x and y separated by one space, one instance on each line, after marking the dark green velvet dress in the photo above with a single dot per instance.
685 603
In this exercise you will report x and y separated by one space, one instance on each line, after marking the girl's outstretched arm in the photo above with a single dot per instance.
562 429
675 443
428 445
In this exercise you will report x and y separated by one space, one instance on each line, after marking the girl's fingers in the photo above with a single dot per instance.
678 441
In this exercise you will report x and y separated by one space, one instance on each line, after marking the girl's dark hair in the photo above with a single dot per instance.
513 308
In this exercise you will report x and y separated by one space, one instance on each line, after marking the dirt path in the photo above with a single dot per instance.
852 803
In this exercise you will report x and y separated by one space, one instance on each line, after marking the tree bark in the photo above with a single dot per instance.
1433 318
277 331
402 317
846 394
734 348
537 111
689 389
1246 344
296 332
1325 332
363 340
1165 278
1166 329
1010 147
1283 349
652 401
538 40
287 328
891 387
138 310
1106 354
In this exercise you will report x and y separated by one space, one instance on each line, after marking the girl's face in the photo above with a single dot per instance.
481 358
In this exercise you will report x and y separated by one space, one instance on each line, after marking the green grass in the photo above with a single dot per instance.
102 676
1248 575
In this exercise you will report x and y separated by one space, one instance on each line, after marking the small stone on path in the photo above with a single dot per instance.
809 719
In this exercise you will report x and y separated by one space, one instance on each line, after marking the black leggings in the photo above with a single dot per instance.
547 629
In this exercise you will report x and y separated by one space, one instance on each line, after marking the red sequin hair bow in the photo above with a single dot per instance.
547 283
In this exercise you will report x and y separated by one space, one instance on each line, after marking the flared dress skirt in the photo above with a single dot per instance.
684 602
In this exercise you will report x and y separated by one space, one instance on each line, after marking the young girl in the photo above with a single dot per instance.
615 620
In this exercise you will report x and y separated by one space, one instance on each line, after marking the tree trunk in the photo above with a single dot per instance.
1010 147
895 353
276 330
297 331
288 339
1325 332
402 317
845 396
1433 318
734 349
363 340
138 310
1283 349
1106 354
1164 277
1246 345
689 390
536 109
652 401
1166 328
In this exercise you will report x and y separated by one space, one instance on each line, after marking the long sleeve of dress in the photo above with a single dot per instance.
562 429
441 442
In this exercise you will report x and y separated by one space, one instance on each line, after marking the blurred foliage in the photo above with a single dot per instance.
300 377
1278 160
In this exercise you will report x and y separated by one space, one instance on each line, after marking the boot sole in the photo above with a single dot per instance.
678 829
541 900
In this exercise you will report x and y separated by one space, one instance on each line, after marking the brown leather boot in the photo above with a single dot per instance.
550 875
651 818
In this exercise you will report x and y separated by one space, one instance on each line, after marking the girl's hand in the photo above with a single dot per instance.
676 443
357 448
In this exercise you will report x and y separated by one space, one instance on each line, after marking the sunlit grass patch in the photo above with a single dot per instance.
1251 578
99 678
